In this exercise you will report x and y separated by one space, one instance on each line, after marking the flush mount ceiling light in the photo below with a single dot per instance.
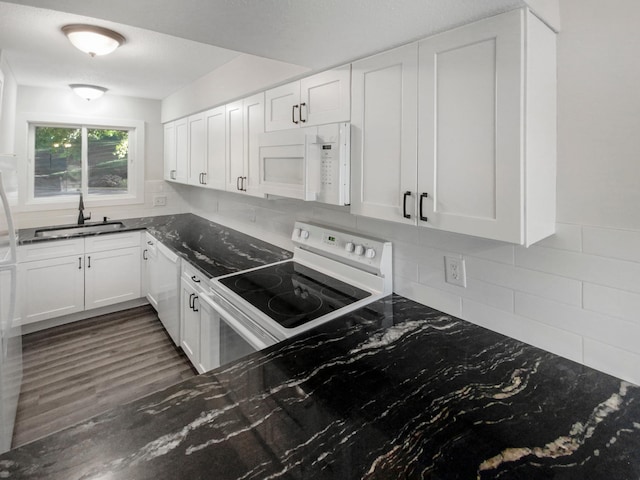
93 40
89 92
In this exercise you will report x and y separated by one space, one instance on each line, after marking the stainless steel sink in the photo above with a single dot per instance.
72 230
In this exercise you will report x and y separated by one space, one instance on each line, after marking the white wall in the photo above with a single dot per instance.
35 101
577 293
240 77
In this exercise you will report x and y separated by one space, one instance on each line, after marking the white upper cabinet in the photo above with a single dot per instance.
197 148
176 151
315 100
216 148
486 161
383 129
235 146
485 127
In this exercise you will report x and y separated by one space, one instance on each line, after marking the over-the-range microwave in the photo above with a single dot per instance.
312 163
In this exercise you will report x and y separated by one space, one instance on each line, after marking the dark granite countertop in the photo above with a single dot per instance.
392 391
212 248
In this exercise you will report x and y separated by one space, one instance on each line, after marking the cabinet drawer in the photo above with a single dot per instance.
111 241
193 276
53 249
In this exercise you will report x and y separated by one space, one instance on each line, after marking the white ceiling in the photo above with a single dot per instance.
172 43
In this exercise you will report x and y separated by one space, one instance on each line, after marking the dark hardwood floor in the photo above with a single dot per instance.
76 371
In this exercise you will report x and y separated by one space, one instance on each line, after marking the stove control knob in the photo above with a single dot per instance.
349 247
359 250
296 232
304 234
370 253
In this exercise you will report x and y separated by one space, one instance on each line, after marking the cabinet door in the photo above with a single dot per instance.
197 162
282 107
383 142
51 288
182 150
112 277
216 148
326 97
170 169
253 110
190 324
209 336
235 146
150 274
470 128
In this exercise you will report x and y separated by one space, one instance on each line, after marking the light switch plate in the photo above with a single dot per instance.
454 271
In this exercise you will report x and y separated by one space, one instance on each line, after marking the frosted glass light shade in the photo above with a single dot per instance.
89 92
93 40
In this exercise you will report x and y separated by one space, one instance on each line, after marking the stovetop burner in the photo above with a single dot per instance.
292 294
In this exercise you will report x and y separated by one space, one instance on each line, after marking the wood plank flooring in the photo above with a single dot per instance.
76 371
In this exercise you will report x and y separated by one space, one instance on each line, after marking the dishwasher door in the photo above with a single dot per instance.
166 278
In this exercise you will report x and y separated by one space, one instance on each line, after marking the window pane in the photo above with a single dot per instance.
108 158
58 169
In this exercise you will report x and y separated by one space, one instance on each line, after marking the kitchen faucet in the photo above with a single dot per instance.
81 217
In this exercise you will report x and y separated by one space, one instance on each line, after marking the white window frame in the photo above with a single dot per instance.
135 180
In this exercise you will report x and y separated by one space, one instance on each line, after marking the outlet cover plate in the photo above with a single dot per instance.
159 200
454 271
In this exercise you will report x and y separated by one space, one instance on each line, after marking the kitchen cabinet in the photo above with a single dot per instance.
485 127
216 148
244 125
68 276
314 100
176 151
197 149
384 134
198 321
149 283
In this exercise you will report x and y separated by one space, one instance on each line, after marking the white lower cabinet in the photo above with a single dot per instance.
190 323
51 288
69 276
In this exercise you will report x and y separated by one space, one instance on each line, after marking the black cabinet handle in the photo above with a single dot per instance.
149 242
238 183
293 113
204 178
89 261
404 204
244 185
79 263
191 300
422 197
195 279
194 304
144 254
302 105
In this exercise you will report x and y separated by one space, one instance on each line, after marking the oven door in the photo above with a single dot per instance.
225 338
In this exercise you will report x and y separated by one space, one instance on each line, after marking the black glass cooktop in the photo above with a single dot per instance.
292 294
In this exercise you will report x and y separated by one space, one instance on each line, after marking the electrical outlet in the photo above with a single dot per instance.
454 271
159 200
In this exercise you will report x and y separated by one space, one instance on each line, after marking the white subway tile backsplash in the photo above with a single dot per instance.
614 361
567 237
590 268
606 242
406 269
467 245
433 297
555 340
610 330
611 301
387 230
542 284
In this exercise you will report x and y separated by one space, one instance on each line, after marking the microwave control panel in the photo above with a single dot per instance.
334 156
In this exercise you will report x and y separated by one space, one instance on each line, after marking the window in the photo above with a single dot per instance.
98 161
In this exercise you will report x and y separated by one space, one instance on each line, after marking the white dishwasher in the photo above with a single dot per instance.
163 285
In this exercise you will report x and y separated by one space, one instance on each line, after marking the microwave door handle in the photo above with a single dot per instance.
240 329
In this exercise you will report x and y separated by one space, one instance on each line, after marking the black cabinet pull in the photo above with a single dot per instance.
191 300
79 263
293 113
144 254
89 261
238 183
244 185
422 197
302 105
204 178
149 242
195 279
194 304
404 204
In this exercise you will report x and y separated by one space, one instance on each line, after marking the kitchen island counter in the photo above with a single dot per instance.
394 390
212 248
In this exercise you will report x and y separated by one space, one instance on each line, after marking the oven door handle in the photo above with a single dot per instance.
253 340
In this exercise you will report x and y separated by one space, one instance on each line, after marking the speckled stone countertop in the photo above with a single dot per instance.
214 249
393 391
